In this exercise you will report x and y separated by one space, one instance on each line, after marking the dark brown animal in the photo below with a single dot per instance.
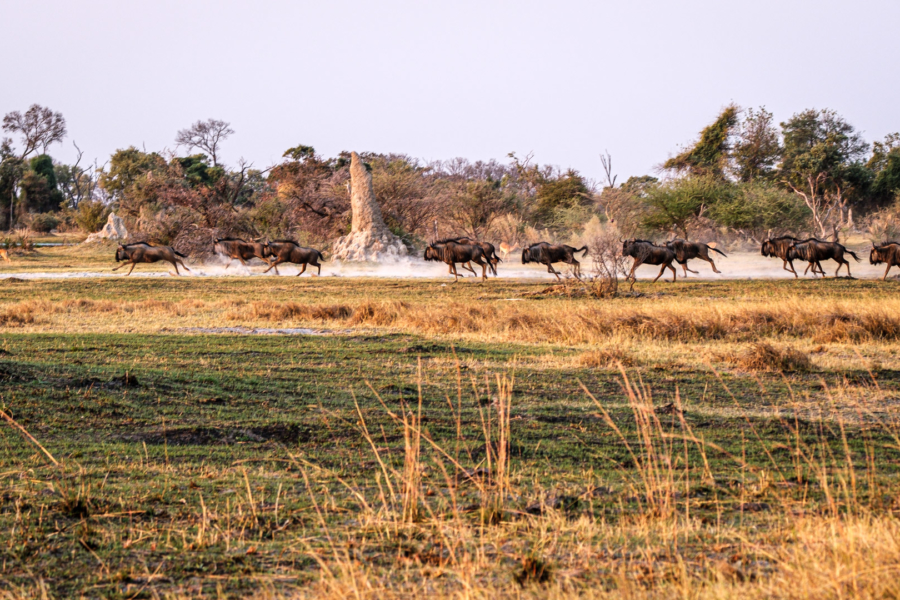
645 252
452 253
287 251
488 248
142 252
779 247
547 254
815 251
685 251
887 253
242 250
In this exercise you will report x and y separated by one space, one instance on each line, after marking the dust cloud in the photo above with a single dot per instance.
737 265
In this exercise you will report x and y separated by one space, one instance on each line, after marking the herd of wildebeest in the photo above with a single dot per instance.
464 251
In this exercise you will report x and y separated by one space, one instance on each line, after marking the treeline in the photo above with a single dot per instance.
743 178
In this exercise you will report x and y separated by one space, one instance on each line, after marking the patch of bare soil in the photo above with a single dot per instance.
214 436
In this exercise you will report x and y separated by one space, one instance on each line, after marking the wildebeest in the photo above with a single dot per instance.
142 252
451 253
888 253
488 248
645 252
685 251
242 250
547 254
779 247
289 251
815 251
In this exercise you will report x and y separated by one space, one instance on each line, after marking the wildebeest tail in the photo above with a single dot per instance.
584 248
177 253
852 253
321 256
719 251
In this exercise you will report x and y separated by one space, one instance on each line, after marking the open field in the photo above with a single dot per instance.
178 437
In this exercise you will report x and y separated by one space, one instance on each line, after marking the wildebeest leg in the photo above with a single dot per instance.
316 263
468 265
131 269
302 269
785 267
175 264
715 270
576 268
274 265
674 272
662 270
120 266
684 266
550 269
886 272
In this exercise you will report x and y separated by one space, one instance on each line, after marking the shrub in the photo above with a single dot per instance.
91 215
44 222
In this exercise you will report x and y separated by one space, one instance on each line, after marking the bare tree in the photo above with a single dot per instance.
76 182
205 135
39 127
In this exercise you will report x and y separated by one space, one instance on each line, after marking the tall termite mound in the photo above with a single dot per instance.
369 238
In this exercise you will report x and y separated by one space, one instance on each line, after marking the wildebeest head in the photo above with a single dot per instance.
768 248
120 253
431 253
888 252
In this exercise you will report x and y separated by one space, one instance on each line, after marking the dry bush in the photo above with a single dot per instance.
768 358
607 260
16 315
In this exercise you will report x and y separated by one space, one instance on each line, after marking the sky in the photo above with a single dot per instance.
564 80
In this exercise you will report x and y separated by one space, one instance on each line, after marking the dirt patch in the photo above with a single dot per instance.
213 436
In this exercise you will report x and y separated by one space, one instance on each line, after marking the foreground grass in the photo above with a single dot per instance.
710 439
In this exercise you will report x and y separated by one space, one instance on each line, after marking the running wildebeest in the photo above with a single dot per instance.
815 251
547 254
451 253
488 248
887 253
685 251
779 247
235 249
142 252
289 251
645 252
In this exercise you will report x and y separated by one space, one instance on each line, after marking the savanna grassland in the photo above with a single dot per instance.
704 439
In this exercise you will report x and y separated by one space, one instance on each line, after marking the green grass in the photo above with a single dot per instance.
217 465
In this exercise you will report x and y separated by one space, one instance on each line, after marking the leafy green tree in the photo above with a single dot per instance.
709 155
566 191
758 147
758 208
126 167
822 163
675 204
37 189
885 165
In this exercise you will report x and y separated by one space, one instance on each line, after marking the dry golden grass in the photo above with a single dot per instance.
765 357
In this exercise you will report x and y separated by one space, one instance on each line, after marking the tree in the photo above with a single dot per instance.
11 170
821 163
758 147
674 205
75 182
709 155
39 127
476 206
126 167
885 166
759 208
205 136
38 191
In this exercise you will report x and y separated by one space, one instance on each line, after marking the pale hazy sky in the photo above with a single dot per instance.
562 79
